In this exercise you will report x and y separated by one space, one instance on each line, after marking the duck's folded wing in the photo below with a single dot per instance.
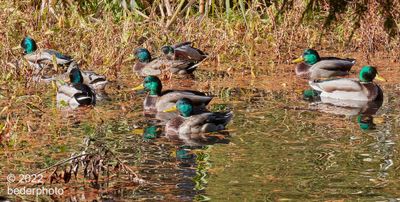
217 118
335 64
348 85
175 66
46 56
186 43
58 54
196 97
152 68
91 77
188 52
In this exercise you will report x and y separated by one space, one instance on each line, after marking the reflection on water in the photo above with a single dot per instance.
363 109
272 152
366 122
342 107
321 151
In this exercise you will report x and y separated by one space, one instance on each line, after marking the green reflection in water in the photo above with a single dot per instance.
279 154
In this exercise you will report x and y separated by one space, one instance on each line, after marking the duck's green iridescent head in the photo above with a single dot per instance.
29 45
152 84
310 57
369 73
143 55
185 107
167 50
75 76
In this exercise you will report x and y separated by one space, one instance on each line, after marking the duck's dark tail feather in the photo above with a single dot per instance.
222 118
85 99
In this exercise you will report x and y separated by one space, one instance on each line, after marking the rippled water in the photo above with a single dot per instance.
278 147
283 154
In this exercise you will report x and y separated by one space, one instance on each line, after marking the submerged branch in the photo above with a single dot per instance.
61 163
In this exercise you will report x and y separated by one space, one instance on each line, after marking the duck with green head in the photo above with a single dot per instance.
93 80
75 94
157 100
363 90
183 51
147 66
189 123
311 66
44 57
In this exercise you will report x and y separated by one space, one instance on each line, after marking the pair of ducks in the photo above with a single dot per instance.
314 67
84 84
192 118
179 59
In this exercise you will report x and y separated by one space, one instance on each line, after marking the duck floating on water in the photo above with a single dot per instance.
362 90
42 58
95 81
183 51
76 93
147 66
188 123
311 66
158 101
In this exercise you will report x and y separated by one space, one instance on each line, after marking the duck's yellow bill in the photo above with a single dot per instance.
139 87
172 109
300 59
379 78
138 131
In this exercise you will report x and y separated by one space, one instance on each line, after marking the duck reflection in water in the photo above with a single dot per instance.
193 163
201 139
342 107
366 122
362 109
154 130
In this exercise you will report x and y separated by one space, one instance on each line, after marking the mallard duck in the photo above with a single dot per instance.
75 94
183 51
157 101
187 123
95 81
42 58
314 67
362 90
146 66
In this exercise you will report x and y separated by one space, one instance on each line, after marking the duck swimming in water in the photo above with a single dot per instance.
312 67
147 66
42 58
362 90
76 93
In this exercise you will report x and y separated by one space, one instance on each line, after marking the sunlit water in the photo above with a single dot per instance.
278 147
